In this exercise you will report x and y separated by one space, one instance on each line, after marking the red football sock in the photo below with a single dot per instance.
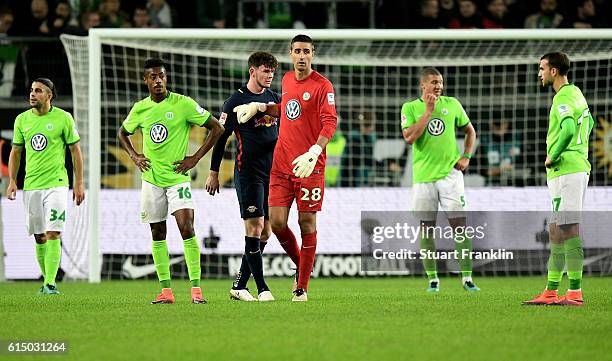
307 258
287 240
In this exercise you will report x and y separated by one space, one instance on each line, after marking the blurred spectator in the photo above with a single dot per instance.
40 18
468 18
111 15
62 17
8 54
501 148
160 13
140 18
6 20
87 20
448 11
583 16
358 160
91 19
497 16
547 17
428 16
210 14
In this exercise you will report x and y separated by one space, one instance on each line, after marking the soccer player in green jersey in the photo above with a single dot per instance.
165 119
43 132
428 123
567 170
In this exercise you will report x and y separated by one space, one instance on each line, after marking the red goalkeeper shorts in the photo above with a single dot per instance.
308 192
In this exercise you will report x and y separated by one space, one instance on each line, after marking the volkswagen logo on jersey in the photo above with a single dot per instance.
435 127
38 142
293 109
158 133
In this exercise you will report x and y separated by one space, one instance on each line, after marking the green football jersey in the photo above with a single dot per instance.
45 138
165 132
435 153
570 103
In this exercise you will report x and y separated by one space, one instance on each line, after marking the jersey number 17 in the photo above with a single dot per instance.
584 117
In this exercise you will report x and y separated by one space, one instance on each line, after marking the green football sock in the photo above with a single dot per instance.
556 264
464 257
53 256
574 257
428 244
162 262
40 256
192 258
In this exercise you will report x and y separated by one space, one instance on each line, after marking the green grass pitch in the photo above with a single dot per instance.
345 319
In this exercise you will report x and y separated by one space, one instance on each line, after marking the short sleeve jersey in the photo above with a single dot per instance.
165 132
570 103
435 152
44 138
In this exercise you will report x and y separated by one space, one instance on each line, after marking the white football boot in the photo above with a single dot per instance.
265 296
241 295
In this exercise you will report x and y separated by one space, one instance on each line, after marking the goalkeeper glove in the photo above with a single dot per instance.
305 163
245 112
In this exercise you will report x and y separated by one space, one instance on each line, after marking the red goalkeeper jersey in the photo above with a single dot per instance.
308 109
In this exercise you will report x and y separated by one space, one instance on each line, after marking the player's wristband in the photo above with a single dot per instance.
316 149
467 155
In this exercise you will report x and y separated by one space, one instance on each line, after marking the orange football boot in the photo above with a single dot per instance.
571 298
196 295
547 297
165 296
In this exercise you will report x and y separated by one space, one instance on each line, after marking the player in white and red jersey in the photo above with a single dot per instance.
308 121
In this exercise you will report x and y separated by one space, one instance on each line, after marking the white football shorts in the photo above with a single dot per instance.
447 192
567 196
46 209
155 202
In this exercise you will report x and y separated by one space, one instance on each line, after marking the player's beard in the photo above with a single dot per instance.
37 105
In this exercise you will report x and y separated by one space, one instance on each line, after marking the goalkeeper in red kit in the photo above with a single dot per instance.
308 121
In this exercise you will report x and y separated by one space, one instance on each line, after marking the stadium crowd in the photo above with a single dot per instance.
54 17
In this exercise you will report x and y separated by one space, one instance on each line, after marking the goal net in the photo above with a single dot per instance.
494 74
